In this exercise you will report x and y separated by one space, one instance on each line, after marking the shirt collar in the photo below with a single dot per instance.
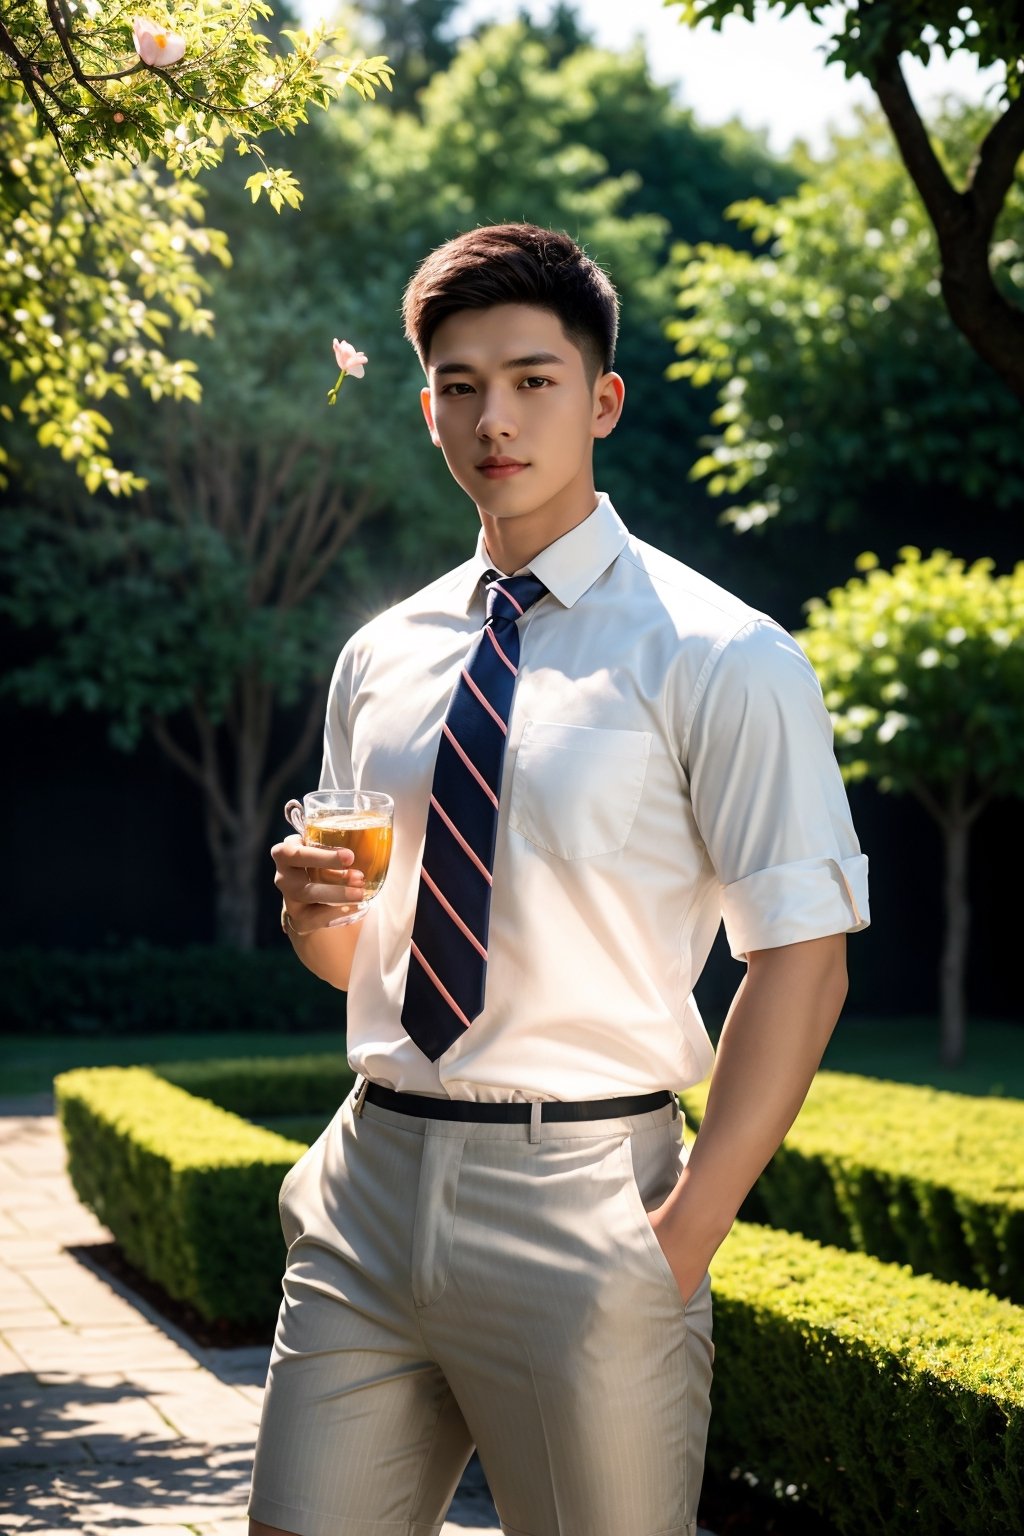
570 566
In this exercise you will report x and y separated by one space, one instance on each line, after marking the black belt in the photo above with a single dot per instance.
519 1113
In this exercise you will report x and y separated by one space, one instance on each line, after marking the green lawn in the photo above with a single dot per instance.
902 1050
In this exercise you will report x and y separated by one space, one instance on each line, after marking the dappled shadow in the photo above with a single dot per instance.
100 1453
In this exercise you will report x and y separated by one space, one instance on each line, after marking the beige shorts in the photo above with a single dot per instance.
457 1284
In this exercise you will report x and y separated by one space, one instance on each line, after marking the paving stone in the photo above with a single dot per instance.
15 1292
37 1315
75 1224
241 1366
21 1196
78 1296
89 1529
30 1245
10 1365
88 1350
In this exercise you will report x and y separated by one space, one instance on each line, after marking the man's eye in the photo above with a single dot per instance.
535 382
456 389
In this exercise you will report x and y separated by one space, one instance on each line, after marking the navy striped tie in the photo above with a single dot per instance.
448 962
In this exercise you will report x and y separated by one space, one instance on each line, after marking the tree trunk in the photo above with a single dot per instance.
953 965
237 871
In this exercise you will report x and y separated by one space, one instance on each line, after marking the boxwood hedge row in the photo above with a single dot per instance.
889 1401
262 1087
143 990
188 1189
912 1175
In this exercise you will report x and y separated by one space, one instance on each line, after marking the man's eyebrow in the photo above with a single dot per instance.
534 360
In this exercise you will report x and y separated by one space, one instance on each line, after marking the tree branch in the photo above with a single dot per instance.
294 760
177 754
946 207
963 223
344 528
995 165
928 800
215 797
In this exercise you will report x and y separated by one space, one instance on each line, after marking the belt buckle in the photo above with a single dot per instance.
357 1106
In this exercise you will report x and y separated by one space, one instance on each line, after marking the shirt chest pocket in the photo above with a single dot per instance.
575 790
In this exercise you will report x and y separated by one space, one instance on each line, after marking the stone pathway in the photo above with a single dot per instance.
112 1421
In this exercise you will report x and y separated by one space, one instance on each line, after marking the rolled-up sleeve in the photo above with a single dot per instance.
768 798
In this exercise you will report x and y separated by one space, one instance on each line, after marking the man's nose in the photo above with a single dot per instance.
496 419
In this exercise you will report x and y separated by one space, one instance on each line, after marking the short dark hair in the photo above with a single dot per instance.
516 264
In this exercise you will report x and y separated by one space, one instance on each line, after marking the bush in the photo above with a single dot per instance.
145 990
889 1401
912 1175
188 1190
263 1086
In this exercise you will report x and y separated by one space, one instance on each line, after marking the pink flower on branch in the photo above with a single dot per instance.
350 362
157 46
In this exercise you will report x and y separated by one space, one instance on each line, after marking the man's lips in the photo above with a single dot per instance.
500 468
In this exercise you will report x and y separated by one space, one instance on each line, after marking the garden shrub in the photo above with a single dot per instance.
259 1087
143 990
910 1174
887 1401
188 1190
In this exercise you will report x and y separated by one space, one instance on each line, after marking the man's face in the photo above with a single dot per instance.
510 406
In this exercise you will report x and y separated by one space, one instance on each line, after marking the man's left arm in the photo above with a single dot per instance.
771 1045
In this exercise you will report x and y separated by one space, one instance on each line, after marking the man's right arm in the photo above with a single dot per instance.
318 887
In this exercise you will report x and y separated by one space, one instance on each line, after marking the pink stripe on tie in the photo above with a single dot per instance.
506 593
488 791
486 704
452 1004
453 829
456 919
490 635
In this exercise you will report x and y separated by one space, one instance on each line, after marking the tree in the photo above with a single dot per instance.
101 248
869 40
843 386
90 294
105 84
922 668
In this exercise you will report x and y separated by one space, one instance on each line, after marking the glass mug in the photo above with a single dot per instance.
360 819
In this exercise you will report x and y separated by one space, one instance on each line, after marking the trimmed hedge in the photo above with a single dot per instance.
911 1175
259 1087
143 990
188 1190
890 1401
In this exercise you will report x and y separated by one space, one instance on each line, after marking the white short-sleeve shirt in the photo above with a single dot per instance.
669 766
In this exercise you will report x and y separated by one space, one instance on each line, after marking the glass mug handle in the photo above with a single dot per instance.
294 816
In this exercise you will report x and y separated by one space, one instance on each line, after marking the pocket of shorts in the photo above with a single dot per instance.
575 789
643 1222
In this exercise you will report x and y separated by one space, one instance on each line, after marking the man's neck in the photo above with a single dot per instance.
512 542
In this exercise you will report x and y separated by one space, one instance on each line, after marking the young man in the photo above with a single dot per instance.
500 1239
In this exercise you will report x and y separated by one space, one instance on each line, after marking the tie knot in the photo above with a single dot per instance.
508 597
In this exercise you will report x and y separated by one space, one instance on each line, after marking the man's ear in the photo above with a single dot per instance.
428 415
609 395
